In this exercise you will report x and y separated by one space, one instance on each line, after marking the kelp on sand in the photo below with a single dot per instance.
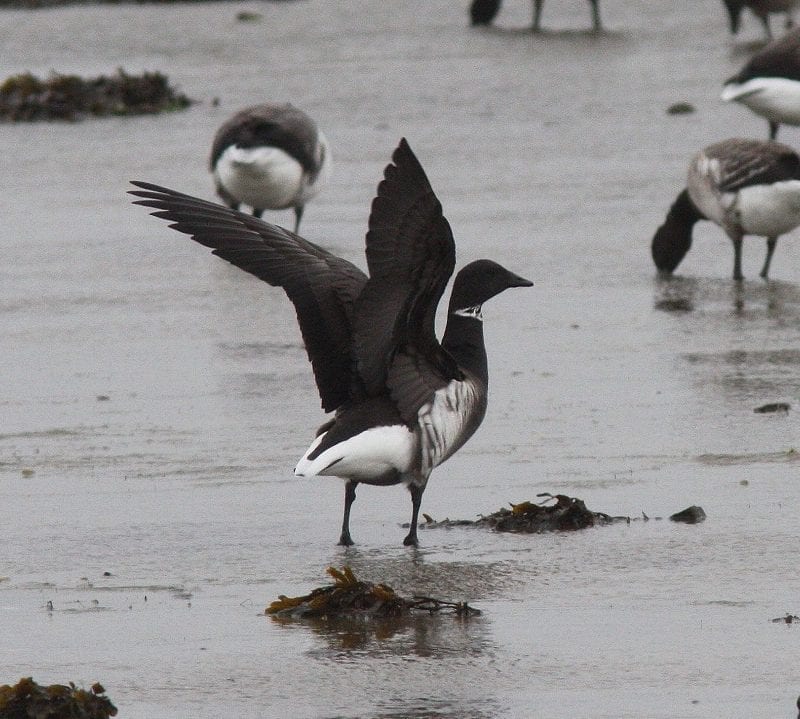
349 596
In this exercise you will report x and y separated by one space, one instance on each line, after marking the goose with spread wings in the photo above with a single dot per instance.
403 402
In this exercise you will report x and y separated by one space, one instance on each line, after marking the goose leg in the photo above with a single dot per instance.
773 129
537 14
349 497
771 242
737 257
298 213
596 15
416 500
257 212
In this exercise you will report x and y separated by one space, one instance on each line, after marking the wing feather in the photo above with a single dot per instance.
410 255
322 286
743 163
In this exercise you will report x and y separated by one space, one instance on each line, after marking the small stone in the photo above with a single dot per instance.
680 108
690 515
773 407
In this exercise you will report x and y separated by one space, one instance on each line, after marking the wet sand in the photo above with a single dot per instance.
153 400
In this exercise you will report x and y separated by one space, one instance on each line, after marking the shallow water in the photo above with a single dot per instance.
153 400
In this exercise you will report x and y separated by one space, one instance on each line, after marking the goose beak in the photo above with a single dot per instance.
517 281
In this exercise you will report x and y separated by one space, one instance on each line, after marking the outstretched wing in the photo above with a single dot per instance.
411 255
322 287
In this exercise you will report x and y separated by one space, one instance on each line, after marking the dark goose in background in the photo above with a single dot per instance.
762 9
403 402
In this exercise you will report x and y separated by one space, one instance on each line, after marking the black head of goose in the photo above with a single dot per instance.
403 402
270 157
747 187
482 12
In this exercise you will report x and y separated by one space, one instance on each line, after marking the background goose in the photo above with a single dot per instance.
747 187
762 9
403 402
270 157
482 12
769 84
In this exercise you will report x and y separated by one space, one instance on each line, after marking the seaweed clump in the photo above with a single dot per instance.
29 700
565 514
557 513
350 596
27 98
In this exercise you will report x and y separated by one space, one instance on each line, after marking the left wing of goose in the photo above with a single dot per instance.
322 286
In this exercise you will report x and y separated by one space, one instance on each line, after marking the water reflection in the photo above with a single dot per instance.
749 299
436 709
749 375
675 294
419 635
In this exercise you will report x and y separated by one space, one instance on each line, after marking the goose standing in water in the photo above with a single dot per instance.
747 187
270 157
482 12
403 402
769 84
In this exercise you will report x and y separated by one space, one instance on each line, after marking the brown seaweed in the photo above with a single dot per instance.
350 596
556 513
27 98
29 700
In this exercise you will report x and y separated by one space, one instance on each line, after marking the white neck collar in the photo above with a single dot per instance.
473 312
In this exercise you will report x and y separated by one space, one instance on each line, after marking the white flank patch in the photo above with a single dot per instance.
367 455
769 210
702 181
442 421
776 98
262 177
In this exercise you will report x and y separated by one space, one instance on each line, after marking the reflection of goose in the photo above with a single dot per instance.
747 187
762 9
482 12
404 403
270 157
769 84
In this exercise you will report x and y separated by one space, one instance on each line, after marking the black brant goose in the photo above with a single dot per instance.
762 9
403 402
769 84
482 12
270 157
747 187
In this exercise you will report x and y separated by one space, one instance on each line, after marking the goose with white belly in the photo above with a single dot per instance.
270 157
403 402
769 84
747 187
